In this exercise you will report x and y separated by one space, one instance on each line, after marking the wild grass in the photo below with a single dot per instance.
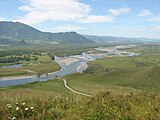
103 106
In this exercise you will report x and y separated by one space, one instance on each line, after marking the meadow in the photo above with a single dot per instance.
122 88
103 106
43 65
140 73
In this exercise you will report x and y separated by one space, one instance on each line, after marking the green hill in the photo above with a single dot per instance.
19 31
11 41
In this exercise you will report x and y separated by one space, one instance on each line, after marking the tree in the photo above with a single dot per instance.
53 57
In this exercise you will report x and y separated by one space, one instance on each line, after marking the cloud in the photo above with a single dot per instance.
133 29
113 13
67 28
95 18
155 19
2 19
119 11
157 28
39 11
145 13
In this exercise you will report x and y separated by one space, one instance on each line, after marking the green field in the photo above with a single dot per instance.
43 65
129 87
121 74
117 74
54 87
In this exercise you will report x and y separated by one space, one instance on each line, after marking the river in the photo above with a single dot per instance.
69 65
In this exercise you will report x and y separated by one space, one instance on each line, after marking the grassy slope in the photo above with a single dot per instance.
101 107
44 64
121 74
37 89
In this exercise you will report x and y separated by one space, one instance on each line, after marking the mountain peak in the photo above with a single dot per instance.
21 31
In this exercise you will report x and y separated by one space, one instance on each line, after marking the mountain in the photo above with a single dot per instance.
16 31
9 41
113 39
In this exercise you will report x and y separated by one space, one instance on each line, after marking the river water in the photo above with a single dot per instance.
12 66
69 65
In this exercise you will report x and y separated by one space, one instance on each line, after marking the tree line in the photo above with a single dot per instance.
18 58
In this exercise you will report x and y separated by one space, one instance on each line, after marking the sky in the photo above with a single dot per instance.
127 18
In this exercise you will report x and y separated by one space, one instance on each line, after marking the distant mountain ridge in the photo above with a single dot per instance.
16 33
113 39
12 31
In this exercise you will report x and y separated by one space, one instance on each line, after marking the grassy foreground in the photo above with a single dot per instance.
103 106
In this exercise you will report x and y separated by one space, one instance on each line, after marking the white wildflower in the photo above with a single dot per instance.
32 108
26 109
8 105
17 108
66 98
9 117
23 103
14 118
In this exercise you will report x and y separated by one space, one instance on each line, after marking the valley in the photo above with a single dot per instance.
69 64
107 77
118 73
71 76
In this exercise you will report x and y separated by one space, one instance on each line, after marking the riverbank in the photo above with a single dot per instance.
69 65
43 65
15 78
